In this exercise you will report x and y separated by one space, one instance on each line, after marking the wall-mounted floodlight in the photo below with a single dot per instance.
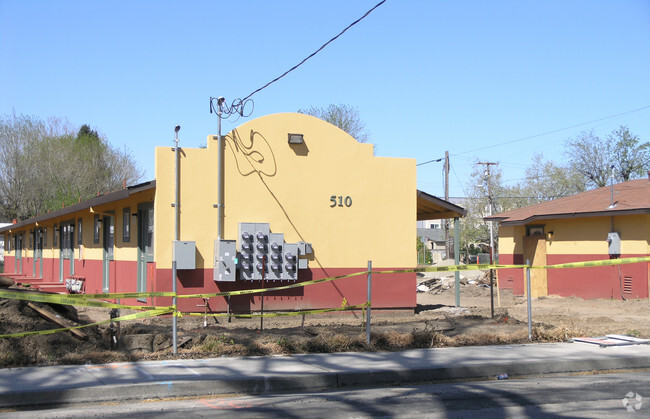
296 139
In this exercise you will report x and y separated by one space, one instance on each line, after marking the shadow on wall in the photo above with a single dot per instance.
258 154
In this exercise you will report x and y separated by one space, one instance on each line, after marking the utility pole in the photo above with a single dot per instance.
487 180
445 222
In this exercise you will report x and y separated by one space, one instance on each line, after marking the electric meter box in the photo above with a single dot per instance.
225 261
184 254
614 242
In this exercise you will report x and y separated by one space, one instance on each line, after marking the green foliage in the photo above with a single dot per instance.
44 166
424 254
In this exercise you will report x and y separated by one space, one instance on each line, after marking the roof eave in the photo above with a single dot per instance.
534 218
92 202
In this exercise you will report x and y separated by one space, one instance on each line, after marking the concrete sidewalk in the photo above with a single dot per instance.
31 386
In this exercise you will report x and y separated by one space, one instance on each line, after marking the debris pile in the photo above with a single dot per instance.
437 285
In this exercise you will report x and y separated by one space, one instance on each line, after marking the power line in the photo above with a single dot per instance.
315 52
537 135
431 161
554 131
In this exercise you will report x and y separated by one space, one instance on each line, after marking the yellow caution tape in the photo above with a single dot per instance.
88 299
66 300
121 295
284 287
450 268
592 263
150 313
282 314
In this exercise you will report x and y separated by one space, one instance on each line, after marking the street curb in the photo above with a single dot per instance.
309 382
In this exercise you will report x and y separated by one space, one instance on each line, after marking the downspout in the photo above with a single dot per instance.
220 178
220 139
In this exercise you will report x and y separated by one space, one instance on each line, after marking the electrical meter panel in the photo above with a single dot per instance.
276 244
225 260
290 262
254 250
265 255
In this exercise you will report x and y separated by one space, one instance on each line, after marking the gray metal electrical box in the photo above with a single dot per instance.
225 260
184 253
254 250
614 242
290 262
274 262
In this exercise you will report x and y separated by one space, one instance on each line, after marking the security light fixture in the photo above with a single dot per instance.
296 139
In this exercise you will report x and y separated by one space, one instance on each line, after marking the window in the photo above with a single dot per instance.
126 224
79 234
96 229
45 237
535 230
54 235
31 242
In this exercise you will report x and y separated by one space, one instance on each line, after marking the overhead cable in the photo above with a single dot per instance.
315 52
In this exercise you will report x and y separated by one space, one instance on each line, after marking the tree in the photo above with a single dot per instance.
485 191
345 117
545 180
44 166
595 158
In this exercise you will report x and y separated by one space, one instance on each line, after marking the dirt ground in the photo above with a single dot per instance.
436 322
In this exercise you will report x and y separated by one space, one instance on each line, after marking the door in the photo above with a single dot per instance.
38 252
19 254
145 246
108 230
66 250
535 252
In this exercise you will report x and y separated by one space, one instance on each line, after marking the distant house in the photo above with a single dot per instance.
594 225
431 230
2 243
434 241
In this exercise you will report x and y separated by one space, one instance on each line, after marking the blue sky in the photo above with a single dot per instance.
426 76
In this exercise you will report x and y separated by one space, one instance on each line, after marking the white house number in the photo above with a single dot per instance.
339 201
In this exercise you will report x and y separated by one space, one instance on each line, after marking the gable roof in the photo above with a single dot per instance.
631 197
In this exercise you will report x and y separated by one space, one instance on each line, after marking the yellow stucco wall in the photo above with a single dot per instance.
583 235
122 250
267 180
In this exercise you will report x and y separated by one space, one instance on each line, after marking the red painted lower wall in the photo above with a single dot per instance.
388 291
589 283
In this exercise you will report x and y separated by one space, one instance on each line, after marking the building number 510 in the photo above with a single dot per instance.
340 201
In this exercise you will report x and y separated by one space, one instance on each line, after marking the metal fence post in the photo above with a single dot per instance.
530 312
369 301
